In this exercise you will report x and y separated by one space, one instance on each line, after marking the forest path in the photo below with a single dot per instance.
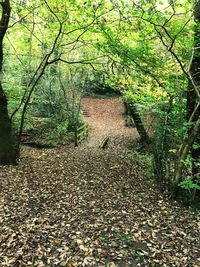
88 207
105 117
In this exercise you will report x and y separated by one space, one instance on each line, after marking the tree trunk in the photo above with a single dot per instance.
194 131
132 110
7 147
192 98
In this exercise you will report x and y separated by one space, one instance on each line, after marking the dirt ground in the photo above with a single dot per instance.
106 119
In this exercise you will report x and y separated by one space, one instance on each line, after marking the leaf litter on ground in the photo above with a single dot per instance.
91 207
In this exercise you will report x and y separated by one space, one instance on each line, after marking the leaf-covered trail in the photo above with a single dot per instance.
105 117
90 207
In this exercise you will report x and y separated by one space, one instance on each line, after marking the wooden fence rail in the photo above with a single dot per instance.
81 133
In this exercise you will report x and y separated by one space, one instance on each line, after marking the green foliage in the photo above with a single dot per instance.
189 184
139 50
58 133
139 257
58 100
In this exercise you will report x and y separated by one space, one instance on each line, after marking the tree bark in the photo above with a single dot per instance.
7 147
5 16
192 98
132 110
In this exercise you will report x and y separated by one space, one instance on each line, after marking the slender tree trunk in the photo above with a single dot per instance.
7 148
192 98
194 131
132 110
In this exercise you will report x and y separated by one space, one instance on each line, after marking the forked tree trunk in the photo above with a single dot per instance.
7 147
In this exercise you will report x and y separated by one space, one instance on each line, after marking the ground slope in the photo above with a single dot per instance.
106 119
91 207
